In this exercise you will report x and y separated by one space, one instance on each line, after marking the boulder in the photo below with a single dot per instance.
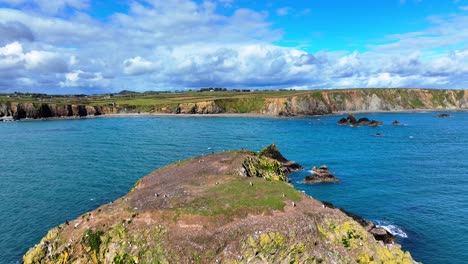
443 116
396 123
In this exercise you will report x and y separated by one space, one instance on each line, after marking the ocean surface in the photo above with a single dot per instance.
413 180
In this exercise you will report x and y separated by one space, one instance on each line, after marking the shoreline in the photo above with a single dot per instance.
253 115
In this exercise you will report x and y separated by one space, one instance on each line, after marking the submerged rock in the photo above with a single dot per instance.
320 175
396 123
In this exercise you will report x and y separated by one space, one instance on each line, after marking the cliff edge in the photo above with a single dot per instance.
230 207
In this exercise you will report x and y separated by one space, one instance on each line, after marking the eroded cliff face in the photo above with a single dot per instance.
303 103
42 110
326 102
230 207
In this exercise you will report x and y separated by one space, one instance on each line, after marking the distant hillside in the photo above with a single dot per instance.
275 103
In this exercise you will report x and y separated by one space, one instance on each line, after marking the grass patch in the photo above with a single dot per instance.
238 198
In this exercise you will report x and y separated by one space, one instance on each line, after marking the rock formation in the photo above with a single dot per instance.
273 153
352 121
320 175
217 208
379 233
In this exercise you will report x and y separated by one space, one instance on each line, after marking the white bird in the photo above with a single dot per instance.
251 183
293 204
284 195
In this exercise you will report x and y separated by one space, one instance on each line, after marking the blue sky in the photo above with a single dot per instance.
85 46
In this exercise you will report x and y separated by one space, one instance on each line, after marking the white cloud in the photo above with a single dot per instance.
80 78
184 44
138 65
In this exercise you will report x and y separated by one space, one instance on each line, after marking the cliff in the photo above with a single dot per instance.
268 103
329 101
43 110
230 207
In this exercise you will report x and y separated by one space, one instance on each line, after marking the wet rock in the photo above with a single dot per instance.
443 116
379 233
396 123
382 234
320 175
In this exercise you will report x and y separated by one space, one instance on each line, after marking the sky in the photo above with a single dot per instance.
101 46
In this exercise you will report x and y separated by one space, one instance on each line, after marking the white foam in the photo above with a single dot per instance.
392 229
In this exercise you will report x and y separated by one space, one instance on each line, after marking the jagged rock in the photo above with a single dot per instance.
382 234
320 175
343 121
363 121
379 233
375 123
396 123
272 152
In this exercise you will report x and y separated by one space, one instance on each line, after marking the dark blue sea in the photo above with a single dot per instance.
413 180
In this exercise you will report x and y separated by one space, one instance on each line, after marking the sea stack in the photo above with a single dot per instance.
320 175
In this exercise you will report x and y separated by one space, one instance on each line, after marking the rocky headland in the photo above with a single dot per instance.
229 207
299 103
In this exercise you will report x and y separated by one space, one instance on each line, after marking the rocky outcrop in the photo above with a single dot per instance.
443 115
43 110
272 152
203 210
208 107
320 175
379 233
353 122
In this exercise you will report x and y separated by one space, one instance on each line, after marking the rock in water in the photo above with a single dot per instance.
201 222
396 123
443 116
321 175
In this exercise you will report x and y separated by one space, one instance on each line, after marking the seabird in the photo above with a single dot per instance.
293 204
251 184
284 195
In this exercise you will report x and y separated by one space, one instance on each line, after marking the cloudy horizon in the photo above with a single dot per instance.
79 46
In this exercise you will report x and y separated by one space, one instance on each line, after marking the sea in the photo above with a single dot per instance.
412 180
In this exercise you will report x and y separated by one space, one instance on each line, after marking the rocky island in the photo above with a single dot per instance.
320 174
229 207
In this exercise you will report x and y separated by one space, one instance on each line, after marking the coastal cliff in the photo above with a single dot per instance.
43 110
317 102
327 102
230 207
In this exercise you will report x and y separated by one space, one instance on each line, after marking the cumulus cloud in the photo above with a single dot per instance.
181 44
138 66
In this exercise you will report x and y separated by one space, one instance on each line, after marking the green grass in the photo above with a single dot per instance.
238 198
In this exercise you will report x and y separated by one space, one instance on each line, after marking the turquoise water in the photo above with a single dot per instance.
414 177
